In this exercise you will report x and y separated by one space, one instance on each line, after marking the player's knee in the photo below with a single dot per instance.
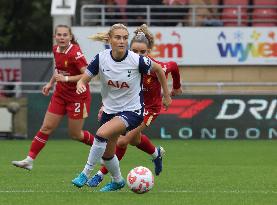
47 129
122 143
101 133
134 142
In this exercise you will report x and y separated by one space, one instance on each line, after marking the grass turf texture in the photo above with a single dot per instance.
198 172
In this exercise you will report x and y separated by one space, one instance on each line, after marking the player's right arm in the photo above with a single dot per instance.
162 79
81 84
46 89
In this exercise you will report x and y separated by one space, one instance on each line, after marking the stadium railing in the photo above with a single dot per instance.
181 15
33 54
22 88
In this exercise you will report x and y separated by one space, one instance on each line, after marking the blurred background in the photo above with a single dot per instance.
226 51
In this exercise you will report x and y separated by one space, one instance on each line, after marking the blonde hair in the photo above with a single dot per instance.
104 36
143 35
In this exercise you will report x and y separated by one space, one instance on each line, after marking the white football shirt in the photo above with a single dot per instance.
121 80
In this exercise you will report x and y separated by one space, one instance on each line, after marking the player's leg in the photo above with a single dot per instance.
50 123
112 165
77 112
99 176
156 152
143 143
105 136
55 112
118 125
75 131
121 147
132 120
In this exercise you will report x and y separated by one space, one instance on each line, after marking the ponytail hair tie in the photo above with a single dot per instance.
140 33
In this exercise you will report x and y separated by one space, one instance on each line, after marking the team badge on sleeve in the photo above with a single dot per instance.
79 55
93 67
145 65
147 61
93 61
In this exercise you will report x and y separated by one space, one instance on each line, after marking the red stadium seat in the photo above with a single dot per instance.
215 2
230 17
181 2
265 2
203 2
264 17
236 2
175 2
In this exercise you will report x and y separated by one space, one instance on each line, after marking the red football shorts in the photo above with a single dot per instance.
74 110
149 117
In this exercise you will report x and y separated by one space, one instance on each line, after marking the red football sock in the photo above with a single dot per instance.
88 138
120 152
104 170
37 144
146 145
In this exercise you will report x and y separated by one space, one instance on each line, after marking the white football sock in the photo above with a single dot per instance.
100 173
155 154
29 159
96 152
113 166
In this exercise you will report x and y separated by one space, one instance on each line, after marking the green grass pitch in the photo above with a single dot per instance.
196 172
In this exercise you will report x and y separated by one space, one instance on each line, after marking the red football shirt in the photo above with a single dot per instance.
152 87
69 63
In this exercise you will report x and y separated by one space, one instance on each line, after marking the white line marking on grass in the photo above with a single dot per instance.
161 191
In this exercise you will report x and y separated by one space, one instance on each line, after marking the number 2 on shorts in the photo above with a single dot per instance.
77 108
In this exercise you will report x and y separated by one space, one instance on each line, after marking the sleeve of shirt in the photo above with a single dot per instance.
145 65
80 59
93 67
172 67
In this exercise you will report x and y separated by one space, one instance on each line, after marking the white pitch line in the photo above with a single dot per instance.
161 191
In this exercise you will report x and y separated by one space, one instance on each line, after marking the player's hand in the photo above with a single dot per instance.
100 112
80 87
46 89
60 77
166 101
175 92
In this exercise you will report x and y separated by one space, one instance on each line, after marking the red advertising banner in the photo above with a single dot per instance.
10 71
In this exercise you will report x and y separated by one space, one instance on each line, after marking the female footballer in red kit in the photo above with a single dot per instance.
70 63
142 43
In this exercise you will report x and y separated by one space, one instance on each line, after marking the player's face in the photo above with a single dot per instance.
62 37
140 48
119 40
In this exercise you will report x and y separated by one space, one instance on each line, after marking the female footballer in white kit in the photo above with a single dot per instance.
120 74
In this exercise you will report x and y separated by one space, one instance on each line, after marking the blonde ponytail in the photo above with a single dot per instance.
104 36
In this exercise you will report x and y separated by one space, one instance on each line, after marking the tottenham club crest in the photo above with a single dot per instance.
147 61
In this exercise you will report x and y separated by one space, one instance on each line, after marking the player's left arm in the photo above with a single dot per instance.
162 79
173 69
